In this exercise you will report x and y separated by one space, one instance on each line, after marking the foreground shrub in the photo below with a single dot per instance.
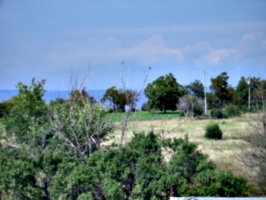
210 183
213 131
138 171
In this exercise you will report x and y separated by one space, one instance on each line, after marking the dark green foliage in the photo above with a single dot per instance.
196 88
118 99
29 109
5 107
216 113
232 110
213 131
81 96
220 183
255 86
212 101
134 171
241 94
163 93
41 143
138 171
145 106
220 88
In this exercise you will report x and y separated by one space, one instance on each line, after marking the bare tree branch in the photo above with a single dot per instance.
130 101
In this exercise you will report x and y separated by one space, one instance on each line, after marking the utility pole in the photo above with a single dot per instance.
248 81
205 96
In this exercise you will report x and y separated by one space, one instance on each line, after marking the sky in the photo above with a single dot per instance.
115 42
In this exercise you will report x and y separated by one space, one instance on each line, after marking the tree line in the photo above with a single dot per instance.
165 93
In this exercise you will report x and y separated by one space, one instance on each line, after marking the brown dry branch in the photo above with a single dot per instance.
84 119
130 100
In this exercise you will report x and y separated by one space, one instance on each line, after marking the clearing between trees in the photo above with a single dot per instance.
224 153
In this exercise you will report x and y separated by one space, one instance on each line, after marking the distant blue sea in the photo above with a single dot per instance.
52 95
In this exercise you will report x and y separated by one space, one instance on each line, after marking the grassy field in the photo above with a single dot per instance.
223 152
144 116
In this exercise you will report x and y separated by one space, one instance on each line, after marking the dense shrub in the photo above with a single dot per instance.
232 110
138 171
216 113
210 183
145 106
5 107
213 131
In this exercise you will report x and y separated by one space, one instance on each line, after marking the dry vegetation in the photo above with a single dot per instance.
222 152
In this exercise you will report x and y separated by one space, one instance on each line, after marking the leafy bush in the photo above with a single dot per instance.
5 107
211 182
232 110
213 131
145 106
216 113
138 171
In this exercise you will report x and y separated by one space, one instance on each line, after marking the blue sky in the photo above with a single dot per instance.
55 40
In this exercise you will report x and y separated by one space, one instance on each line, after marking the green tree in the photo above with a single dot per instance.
120 98
212 101
28 108
79 96
41 143
220 87
163 93
196 88
241 94
23 142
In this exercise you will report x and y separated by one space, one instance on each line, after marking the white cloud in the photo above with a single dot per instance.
216 56
151 50
252 36
201 46
111 50
89 50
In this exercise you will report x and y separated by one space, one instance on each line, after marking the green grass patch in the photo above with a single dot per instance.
144 116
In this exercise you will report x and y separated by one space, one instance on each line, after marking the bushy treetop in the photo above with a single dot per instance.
163 93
